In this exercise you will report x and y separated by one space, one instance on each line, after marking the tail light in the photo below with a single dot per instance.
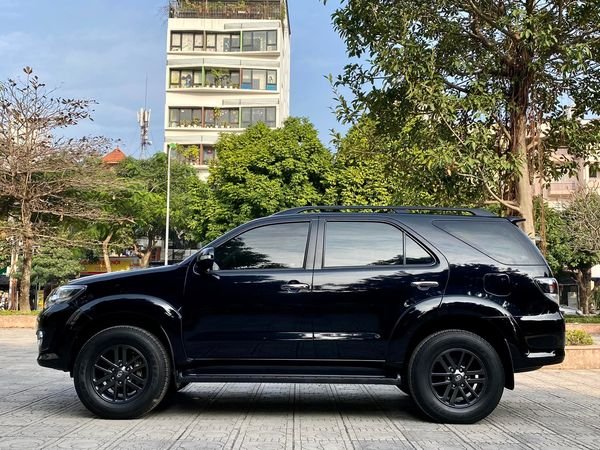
549 286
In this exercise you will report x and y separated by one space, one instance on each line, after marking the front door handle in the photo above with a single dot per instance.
295 286
424 285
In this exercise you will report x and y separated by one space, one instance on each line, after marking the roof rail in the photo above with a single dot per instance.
389 209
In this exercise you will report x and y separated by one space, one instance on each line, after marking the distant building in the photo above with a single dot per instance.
228 67
559 192
114 157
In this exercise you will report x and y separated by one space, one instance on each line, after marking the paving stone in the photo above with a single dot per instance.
39 409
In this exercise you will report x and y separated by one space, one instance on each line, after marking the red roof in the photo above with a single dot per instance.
114 157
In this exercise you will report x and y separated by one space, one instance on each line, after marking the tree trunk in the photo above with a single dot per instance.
13 281
584 280
105 252
524 196
146 257
24 304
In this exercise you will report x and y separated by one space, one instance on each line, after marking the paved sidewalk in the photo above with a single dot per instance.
39 409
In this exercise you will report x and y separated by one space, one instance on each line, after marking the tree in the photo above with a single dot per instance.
582 220
262 171
570 239
55 265
371 168
360 175
43 174
146 200
478 85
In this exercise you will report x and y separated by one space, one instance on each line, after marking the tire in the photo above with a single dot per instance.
455 377
122 372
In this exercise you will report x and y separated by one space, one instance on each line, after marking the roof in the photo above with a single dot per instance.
114 157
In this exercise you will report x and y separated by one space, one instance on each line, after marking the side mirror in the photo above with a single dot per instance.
205 260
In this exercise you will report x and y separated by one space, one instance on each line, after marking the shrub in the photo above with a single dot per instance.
582 319
579 337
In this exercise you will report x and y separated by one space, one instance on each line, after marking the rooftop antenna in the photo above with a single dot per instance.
144 123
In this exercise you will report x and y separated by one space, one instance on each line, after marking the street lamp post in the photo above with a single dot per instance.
169 148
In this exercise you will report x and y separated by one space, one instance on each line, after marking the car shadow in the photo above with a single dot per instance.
280 402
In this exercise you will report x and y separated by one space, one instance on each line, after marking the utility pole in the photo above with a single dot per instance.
170 147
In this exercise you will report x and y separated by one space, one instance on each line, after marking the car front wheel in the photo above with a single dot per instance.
456 377
122 372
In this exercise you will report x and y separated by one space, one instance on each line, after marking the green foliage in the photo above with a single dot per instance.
464 86
145 198
373 168
10 312
262 171
579 337
53 264
582 319
561 233
360 169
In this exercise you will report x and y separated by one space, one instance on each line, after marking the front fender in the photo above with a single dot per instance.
138 310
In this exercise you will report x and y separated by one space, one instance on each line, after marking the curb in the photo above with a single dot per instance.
579 357
592 328
17 321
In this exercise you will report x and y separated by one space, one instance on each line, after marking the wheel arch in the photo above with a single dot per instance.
491 322
149 313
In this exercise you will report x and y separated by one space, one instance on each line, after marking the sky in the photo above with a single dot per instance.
105 49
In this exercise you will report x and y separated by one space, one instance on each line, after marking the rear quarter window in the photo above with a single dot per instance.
498 239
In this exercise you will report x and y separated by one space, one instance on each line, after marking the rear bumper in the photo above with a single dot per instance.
543 342
535 360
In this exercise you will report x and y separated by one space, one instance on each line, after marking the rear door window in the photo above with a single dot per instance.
498 239
359 244
353 244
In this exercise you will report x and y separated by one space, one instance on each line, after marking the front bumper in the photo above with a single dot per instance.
52 337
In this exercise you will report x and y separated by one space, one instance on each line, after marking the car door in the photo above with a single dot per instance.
367 273
250 305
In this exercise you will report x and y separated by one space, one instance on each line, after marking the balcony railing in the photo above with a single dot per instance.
267 10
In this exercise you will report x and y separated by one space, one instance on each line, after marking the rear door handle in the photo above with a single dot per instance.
295 286
425 285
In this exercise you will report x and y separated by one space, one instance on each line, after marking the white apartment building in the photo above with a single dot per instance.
228 67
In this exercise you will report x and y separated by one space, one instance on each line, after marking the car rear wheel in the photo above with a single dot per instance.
122 372
456 377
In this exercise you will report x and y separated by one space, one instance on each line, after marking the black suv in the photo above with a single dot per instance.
446 304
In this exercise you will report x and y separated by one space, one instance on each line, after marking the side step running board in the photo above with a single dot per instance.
260 378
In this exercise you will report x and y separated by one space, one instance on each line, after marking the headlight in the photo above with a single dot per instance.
64 293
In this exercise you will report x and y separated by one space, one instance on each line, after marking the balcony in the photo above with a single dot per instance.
249 9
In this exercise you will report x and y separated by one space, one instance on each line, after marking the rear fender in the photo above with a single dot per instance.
480 316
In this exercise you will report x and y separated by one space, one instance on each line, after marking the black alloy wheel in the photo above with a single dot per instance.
458 378
455 376
122 372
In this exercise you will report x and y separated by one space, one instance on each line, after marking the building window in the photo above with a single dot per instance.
259 79
594 171
186 41
217 77
222 118
223 42
198 154
185 117
259 41
229 42
252 116
208 154
185 78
